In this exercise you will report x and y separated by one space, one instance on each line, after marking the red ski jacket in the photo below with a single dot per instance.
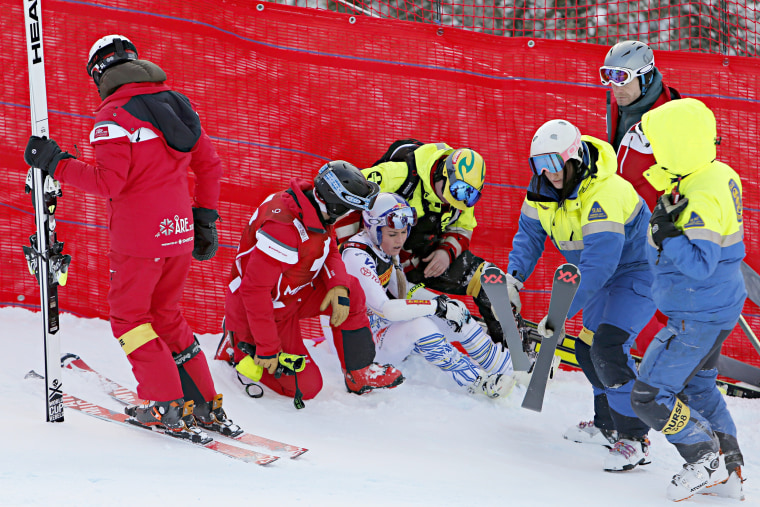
145 138
283 249
634 154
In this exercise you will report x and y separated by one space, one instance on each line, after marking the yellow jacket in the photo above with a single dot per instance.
454 231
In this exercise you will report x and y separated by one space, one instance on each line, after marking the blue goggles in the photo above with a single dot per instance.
550 162
464 192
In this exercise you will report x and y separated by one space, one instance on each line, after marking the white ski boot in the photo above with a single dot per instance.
693 477
585 432
729 488
493 386
627 454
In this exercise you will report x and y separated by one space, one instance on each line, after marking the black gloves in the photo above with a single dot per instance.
44 153
206 239
663 218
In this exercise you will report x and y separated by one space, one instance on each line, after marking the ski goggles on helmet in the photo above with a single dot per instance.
399 218
620 76
348 200
549 162
460 189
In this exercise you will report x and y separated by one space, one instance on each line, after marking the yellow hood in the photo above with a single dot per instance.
682 134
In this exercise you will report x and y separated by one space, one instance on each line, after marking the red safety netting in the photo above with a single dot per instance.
283 89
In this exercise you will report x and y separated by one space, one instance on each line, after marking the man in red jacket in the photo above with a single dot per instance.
636 86
145 138
288 268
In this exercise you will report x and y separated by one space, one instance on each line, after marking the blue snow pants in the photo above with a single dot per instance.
680 367
616 314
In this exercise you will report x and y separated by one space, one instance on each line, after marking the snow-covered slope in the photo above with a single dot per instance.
424 443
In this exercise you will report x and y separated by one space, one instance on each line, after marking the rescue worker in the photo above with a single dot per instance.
695 249
598 222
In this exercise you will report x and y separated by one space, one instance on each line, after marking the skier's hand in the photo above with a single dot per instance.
513 289
337 297
663 219
438 263
548 332
453 311
206 238
269 363
44 153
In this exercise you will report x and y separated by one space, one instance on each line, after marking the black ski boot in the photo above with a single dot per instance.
174 417
211 417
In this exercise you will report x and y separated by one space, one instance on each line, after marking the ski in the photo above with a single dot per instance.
494 282
747 376
44 256
106 414
565 284
129 397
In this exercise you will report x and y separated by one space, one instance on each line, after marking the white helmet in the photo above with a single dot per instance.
108 51
390 210
556 138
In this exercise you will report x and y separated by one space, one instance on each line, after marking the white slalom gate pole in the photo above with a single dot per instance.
44 254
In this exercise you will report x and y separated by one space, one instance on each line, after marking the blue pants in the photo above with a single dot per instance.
616 314
680 364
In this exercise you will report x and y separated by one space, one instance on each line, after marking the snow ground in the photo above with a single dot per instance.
423 444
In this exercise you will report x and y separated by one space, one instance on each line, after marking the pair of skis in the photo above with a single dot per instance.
44 254
564 286
228 446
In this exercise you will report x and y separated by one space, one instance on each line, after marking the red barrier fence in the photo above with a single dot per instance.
283 89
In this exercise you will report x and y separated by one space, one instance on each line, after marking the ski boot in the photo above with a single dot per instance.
174 417
493 386
694 477
211 417
372 377
728 488
627 453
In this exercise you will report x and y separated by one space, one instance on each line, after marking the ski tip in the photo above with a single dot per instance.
68 358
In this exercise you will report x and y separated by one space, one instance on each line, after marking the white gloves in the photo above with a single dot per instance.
548 332
452 310
513 289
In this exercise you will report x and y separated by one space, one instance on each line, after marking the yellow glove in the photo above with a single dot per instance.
268 363
338 298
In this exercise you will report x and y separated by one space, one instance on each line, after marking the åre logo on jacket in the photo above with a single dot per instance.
167 227
100 132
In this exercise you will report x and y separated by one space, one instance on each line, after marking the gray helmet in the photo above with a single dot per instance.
633 56
342 188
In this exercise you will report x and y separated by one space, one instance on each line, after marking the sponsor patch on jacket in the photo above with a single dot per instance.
370 273
736 195
100 132
301 230
597 212
386 277
694 221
